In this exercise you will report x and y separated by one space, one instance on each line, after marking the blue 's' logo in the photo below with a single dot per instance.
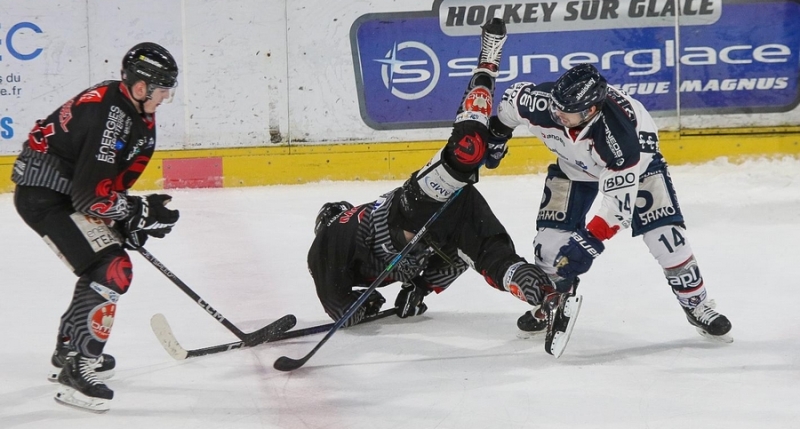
412 74
6 131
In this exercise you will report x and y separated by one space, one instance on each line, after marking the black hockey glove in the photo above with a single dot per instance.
369 308
409 301
576 257
373 304
134 240
496 142
150 216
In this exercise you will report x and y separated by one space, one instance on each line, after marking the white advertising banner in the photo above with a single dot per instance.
267 72
43 62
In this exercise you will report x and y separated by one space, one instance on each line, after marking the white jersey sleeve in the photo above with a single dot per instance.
514 106
619 144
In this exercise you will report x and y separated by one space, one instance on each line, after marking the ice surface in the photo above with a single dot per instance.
633 361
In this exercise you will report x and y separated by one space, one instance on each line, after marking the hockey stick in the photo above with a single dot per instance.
285 363
255 337
167 339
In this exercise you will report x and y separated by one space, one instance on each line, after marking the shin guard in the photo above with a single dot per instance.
687 283
86 325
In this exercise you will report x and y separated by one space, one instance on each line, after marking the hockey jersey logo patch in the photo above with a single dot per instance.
101 319
346 216
94 96
119 272
103 188
37 139
65 115
479 100
470 149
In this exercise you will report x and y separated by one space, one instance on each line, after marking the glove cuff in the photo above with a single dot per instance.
498 129
600 229
134 204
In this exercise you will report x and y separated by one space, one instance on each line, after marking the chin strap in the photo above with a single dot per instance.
140 103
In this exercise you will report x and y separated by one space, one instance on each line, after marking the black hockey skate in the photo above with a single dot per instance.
708 322
493 37
562 311
80 387
532 322
104 369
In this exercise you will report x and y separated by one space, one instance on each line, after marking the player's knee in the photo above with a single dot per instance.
546 247
114 270
669 245
466 148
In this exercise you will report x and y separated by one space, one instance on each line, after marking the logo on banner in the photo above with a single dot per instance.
412 74
6 129
16 41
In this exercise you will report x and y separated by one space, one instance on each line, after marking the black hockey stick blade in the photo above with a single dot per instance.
167 339
285 363
273 329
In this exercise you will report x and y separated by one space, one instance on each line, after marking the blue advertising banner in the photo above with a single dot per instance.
732 57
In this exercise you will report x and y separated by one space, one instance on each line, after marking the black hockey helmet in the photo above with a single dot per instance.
580 88
151 63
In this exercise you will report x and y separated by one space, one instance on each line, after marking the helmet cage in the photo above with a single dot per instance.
553 109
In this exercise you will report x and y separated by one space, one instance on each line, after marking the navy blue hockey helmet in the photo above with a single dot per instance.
580 88
151 63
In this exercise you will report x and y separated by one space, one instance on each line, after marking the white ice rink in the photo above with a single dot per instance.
633 362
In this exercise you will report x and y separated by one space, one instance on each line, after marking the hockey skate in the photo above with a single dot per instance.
708 322
80 387
493 37
532 323
562 311
104 369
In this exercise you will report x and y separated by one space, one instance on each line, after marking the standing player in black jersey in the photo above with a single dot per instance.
72 178
354 245
606 143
